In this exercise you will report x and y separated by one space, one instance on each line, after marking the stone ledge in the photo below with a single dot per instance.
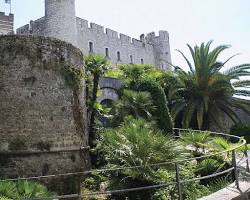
228 193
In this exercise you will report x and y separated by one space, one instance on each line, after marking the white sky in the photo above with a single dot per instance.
187 21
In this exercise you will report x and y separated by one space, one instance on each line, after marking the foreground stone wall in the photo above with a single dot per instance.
43 114
228 123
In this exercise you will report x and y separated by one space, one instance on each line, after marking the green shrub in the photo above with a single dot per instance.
23 189
209 166
138 142
161 112
241 130
198 141
136 104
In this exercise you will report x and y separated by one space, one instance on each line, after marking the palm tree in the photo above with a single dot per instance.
197 140
23 189
96 66
137 104
207 92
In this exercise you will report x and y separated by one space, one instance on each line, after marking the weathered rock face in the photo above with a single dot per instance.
43 122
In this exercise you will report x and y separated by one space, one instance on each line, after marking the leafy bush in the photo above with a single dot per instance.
23 190
161 113
145 78
241 130
198 140
137 142
136 104
209 166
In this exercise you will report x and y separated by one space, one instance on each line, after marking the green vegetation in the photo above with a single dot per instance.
73 76
96 66
23 190
161 113
207 92
144 78
137 104
241 130
141 127
138 142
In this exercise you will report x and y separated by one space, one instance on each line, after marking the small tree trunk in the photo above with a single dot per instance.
92 135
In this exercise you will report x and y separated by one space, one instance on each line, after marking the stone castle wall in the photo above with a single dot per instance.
6 23
43 127
102 38
60 22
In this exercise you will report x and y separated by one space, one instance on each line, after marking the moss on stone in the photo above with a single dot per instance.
73 77
29 47
17 145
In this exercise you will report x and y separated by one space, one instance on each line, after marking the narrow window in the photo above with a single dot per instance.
107 52
131 59
142 61
118 56
91 50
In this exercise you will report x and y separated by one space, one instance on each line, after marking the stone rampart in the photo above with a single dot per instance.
43 127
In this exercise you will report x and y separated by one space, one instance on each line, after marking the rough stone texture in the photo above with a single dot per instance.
6 23
60 22
42 119
229 193
228 123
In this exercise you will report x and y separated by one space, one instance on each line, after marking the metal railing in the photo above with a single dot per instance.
179 181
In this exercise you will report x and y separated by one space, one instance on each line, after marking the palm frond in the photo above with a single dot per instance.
237 69
215 53
245 93
242 83
189 64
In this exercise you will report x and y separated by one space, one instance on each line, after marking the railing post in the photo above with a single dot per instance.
247 161
236 174
178 180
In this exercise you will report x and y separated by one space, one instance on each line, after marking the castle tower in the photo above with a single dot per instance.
161 49
60 20
6 23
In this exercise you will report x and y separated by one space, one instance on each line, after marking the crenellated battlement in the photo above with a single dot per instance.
6 17
34 27
60 22
6 23
107 32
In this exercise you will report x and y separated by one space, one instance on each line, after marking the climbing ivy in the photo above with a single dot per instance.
29 47
73 76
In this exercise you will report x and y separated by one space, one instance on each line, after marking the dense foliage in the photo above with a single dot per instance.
138 142
144 78
137 104
96 65
23 190
242 130
141 126
161 113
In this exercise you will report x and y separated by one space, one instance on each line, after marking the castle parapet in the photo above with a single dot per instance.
125 38
97 28
6 23
112 34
